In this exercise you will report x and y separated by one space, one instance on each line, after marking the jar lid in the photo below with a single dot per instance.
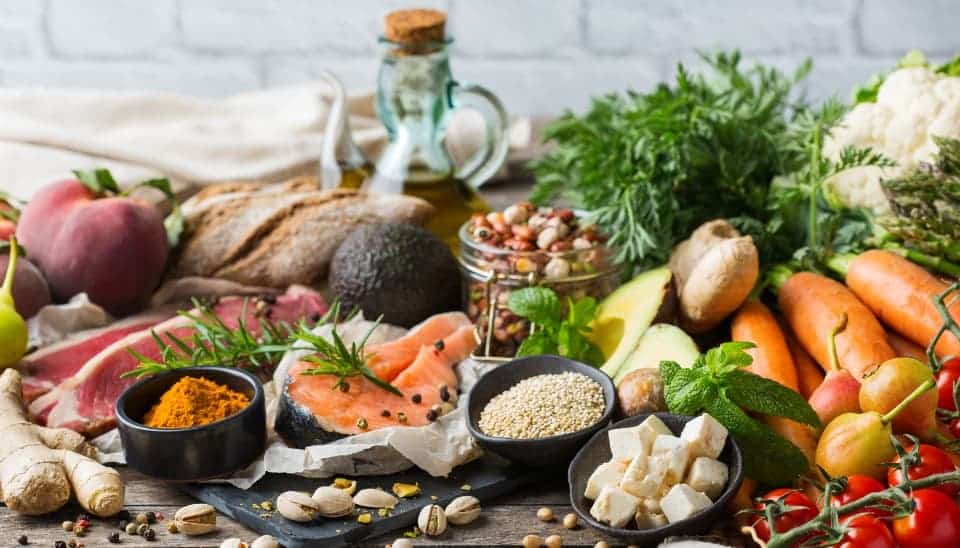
416 27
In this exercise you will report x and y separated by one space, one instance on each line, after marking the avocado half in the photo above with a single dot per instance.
401 272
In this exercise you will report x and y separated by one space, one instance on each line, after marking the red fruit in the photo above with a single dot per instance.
948 376
933 460
955 428
866 531
859 486
791 497
113 248
934 523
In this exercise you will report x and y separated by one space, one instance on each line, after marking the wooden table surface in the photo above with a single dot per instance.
504 521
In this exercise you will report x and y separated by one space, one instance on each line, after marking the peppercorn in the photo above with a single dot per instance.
344 386
385 413
79 531
151 517
123 515
172 527
432 415
67 526
114 538
23 540
72 543
131 528
150 534
141 518
142 529
439 345
401 417
417 398
444 393
59 544
362 423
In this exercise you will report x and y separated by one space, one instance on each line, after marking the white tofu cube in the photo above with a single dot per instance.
636 471
682 502
705 435
709 476
657 425
651 483
648 434
626 443
650 521
608 473
650 506
615 507
676 453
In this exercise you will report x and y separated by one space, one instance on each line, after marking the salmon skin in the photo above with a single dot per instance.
311 411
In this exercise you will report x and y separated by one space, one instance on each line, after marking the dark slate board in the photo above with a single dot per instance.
488 477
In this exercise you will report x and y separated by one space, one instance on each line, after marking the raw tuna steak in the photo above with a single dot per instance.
85 402
48 367
312 412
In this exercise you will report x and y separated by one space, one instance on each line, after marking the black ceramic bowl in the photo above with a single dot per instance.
191 454
540 452
597 452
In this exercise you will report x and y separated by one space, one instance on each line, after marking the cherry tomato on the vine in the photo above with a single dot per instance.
807 511
948 375
933 460
857 488
934 523
866 531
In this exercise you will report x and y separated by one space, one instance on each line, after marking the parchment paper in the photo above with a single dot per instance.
436 448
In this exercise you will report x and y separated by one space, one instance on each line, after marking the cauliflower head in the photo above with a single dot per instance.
913 104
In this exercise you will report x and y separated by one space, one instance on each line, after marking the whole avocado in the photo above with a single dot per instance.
401 272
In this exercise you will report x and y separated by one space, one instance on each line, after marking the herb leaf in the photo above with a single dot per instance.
691 388
537 304
555 333
760 395
98 180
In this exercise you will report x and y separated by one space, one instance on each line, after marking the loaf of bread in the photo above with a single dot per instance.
279 234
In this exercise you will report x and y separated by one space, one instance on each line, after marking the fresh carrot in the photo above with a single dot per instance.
809 374
901 294
813 304
755 323
906 347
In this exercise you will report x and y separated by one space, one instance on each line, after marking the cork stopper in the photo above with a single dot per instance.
416 28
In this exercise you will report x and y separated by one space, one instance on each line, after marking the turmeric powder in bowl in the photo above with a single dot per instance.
194 401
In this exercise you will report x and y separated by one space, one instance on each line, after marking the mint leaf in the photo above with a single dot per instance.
581 312
540 305
685 390
728 357
98 180
767 457
537 343
755 393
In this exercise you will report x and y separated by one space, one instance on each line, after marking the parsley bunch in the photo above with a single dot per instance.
718 385
556 332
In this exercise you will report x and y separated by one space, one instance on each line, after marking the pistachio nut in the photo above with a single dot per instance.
432 521
406 490
297 506
196 519
463 510
332 502
375 498
266 541
233 543
349 486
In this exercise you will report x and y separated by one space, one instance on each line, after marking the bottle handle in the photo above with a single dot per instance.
486 161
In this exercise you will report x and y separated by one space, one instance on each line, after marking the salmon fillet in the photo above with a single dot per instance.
312 411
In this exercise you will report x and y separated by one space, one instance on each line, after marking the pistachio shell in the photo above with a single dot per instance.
266 541
196 519
233 543
332 502
297 506
375 498
463 510
432 521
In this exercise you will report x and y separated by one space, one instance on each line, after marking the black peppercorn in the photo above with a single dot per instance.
23 540
439 345
432 415
344 386
59 544
151 517
417 398
385 413
444 393
150 534
114 538
123 515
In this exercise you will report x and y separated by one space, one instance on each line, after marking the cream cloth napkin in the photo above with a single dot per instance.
266 135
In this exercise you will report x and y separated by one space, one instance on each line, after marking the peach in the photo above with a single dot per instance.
30 290
113 248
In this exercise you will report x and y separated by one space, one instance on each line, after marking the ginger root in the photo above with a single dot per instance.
715 270
40 467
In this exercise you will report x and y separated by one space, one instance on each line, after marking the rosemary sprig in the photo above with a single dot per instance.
335 358
213 342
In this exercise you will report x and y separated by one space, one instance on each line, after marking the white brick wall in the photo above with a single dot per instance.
541 56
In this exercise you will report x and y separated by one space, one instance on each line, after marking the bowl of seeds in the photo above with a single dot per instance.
539 410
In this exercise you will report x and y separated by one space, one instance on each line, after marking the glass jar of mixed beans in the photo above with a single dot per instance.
524 246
